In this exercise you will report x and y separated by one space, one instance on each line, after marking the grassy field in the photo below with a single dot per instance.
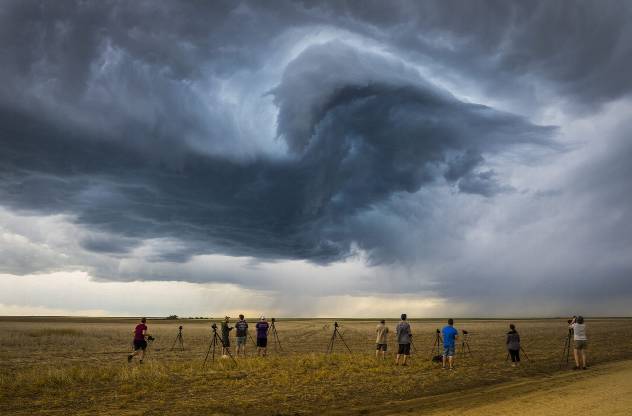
78 366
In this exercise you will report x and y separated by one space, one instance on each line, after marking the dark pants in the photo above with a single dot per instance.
515 356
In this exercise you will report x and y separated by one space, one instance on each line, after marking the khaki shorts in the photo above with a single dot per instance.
581 345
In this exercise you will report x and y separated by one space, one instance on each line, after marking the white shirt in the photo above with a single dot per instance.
579 332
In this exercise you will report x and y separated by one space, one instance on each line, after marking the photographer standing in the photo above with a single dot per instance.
513 345
262 336
581 342
404 336
140 344
381 340
226 336
242 334
450 335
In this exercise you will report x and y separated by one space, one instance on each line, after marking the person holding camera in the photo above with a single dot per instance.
513 345
226 336
381 340
241 334
581 342
450 335
140 344
262 336
404 338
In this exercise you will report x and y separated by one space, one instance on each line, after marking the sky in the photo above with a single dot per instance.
316 159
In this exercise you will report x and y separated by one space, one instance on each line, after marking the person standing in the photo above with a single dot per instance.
140 344
513 345
381 340
404 337
581 342
226 336
241 328
450 335
262 336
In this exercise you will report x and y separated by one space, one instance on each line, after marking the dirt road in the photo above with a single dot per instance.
600 390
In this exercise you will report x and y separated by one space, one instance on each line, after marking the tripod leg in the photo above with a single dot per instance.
525 354
226 349
342 339
277 340
330 346
208 351
174 343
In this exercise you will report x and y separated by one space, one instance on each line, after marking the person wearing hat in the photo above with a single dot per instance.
226 336
262 336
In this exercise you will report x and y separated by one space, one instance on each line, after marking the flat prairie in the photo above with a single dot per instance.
78 366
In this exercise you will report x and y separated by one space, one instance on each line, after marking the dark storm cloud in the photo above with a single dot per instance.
359 128
123 115
576 50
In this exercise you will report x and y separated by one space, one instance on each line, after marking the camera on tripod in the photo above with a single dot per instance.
150 338
214 326
180 327
336 325
273 320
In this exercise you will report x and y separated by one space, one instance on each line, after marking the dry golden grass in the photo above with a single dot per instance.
78 366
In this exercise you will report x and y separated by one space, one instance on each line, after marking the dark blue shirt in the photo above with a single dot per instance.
449 336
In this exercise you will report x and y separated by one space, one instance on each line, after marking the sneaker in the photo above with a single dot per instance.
129 358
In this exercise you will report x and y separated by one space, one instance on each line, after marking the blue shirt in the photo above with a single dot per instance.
449 335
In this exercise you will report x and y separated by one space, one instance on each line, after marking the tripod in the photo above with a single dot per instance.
566 353
436 353
275 336
179 340
150 341
465 344
252 340
336 333
213 345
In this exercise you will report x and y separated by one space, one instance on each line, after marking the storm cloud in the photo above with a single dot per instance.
426 137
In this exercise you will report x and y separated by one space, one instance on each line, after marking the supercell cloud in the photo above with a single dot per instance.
471 154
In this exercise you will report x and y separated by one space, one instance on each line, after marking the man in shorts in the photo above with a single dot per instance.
404 337
262 336
241 328
140 344
581 342
450 335
380 343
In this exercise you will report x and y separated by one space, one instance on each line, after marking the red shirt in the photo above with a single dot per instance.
138 332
